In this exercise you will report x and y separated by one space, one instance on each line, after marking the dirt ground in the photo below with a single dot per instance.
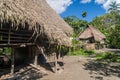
84 68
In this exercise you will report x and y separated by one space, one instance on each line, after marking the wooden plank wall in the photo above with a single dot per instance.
12 36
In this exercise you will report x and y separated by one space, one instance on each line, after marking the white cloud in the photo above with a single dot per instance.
59 5
106 3
85 1
100 1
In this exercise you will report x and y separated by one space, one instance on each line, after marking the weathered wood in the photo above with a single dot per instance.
15 41
36 58
16 44
104 46
16 37
6 29
55 55
9 36
16 34
12 61
38 68
62 55
59 54
35 61
30 53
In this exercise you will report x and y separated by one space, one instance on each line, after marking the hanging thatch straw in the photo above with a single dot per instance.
35 15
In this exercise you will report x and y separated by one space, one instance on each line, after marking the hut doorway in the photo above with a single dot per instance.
21 55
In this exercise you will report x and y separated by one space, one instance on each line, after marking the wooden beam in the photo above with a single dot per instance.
16 37
36 58
26 31
38 68
12 61
35 61
14 40
9 35
16 44
59 53
55 55
16 34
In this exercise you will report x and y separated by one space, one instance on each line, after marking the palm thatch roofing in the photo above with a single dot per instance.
39 16
91 32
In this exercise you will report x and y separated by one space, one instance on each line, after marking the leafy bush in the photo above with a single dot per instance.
5 50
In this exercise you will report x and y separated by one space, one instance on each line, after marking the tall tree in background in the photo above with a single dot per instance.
109 24
114 38
77 24
84 14
114 7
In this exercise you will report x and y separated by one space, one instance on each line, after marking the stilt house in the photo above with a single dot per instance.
27 26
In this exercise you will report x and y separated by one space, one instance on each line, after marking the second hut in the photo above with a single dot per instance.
91 38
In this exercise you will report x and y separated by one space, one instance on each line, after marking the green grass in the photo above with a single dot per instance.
108 56
81 52
103 56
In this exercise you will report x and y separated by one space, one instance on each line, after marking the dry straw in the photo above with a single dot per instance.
38 15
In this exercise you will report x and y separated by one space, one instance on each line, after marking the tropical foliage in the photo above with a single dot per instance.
84 14
5 50
77 24
114 7
109 25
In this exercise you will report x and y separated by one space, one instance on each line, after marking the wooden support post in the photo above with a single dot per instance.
35 61
36 58
69 50
12 61
59 52
55 62
9 35
104 46
62 55
29 53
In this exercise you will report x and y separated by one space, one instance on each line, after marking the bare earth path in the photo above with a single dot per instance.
82 68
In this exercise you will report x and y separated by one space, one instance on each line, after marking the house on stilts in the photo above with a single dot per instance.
91 38
30 27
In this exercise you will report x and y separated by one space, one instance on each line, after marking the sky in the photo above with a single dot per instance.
75 7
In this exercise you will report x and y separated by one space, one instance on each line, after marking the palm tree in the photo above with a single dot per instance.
84 14
114 7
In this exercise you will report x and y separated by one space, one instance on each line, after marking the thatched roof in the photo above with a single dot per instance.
90 32
40 18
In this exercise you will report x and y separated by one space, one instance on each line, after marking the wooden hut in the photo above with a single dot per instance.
91 36
28 25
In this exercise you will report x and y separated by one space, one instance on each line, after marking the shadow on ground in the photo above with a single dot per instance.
51 66
102 69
